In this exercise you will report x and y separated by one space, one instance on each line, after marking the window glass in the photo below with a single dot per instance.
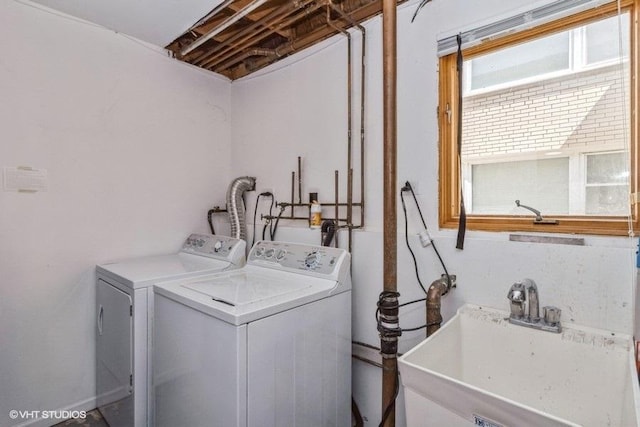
543 184
602 39
608 168
607 191
537 57
565 116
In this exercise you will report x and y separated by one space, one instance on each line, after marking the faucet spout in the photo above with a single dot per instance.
534 301
525 293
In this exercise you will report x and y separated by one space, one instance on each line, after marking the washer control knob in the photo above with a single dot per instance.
269 253
260 251
311 261
217 246
280 255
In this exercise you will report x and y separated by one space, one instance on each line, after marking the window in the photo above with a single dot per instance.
547 119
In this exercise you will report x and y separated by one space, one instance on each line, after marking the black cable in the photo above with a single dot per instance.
406 239
271 217
210 220
405 304
275 226
412 302
407 186
255 213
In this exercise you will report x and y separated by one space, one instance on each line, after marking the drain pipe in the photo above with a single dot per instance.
436 291
235 205
390 234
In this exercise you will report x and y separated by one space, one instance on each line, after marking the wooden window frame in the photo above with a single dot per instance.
449 164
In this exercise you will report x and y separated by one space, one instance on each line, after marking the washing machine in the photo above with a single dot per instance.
124 299
267 345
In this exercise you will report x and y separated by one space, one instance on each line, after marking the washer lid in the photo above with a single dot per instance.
245 288
247 294
144 271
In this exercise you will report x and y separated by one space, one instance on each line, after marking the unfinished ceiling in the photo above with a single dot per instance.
239 37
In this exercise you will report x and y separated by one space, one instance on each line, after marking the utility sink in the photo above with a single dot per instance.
480 369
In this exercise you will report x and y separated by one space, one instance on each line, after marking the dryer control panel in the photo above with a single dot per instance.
213 246
321 260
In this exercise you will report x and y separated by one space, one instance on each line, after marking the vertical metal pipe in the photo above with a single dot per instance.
299 179
350 198
390 238
362 100
293 191
350 205
337 212
362 131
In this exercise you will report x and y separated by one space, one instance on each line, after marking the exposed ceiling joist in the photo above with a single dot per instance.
244 36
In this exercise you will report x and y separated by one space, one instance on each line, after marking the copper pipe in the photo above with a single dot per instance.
350 198
349 122
336 189
287 204
362 127
270 23
247 54
293 191
248 30
434 295
390 234
253 29
362 30
300 180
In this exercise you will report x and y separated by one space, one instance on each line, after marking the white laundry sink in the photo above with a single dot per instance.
480 369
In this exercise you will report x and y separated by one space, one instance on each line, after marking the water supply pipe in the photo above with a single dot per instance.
390 234
235 205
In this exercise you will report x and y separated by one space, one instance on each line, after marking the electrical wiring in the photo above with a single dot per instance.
255 214
407 187
275 225
398 331
403 305
406 239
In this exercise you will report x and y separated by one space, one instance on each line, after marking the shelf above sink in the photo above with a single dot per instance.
480 368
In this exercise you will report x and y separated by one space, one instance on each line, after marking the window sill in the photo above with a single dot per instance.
603 226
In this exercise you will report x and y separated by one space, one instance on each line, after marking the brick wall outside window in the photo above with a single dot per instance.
580 111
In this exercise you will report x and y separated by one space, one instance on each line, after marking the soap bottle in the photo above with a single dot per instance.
315 221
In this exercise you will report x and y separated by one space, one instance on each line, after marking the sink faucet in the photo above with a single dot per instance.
525 293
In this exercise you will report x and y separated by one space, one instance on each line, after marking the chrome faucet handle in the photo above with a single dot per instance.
517 296
516 292
551 315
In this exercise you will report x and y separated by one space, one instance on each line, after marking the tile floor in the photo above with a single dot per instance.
93 419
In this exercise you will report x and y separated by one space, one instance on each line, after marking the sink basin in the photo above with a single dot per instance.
480 369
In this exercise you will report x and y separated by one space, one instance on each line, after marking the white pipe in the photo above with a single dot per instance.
223 25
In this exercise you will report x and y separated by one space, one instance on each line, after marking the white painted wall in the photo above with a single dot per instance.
297 108
137 149
137 144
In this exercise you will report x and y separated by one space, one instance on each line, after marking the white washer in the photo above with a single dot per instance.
268 345
124 300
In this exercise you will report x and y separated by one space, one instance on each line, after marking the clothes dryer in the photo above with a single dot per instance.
124 303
